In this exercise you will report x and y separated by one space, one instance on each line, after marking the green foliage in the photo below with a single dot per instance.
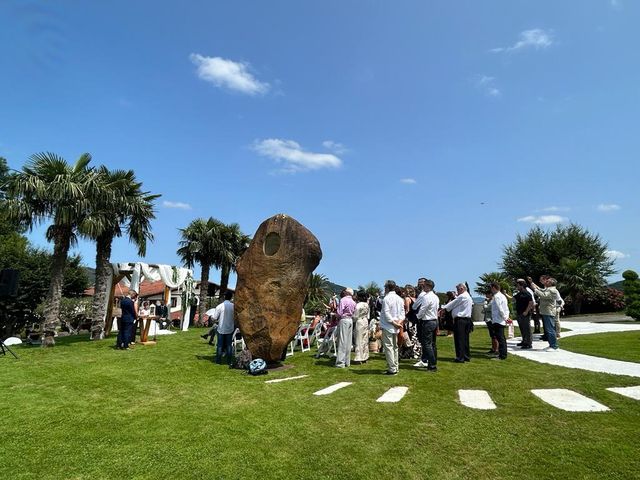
34 268
73 311
318 293
571 254
600 300
540 252
483 287
631 286
372 288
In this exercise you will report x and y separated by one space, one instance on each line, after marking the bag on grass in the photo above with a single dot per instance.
242 361
257 367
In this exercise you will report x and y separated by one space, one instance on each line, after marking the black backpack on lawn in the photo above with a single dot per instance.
242 361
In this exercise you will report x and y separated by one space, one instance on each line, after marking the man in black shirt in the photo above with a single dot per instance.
524 307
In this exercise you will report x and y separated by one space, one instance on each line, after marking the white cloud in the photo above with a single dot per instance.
534 38
408 181
335 147
608 207
294 158
487 85
616 255
555 209
228 74
543 219
179 205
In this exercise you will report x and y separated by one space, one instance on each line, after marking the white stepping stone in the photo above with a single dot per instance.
332 388
569 400
286 379
478 399
393 395
631 392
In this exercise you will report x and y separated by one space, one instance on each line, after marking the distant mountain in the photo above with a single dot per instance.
617 285
335 288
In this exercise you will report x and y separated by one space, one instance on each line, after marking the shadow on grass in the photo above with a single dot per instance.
67 341
210 358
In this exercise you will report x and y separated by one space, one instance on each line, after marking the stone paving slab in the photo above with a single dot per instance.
568 400
286 379
393 395
477 399
631 392
332 388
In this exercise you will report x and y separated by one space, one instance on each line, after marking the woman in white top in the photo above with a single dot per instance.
361 328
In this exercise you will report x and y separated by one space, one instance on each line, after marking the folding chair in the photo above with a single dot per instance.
314 335
303 337
237 341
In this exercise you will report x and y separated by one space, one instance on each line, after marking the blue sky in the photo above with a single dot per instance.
412 137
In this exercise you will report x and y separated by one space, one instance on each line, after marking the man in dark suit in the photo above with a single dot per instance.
129 317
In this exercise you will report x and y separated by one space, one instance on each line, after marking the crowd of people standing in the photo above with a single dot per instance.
408 324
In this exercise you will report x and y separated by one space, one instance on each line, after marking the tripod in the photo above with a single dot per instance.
4 347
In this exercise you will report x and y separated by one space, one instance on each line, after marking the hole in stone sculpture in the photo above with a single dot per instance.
271 244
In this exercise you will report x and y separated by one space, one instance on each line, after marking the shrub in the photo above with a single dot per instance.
600 300
631 287
75 312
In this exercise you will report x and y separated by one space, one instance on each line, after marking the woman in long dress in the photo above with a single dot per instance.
361 328
411 347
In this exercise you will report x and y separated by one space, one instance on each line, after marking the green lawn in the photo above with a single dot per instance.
618 346
87 411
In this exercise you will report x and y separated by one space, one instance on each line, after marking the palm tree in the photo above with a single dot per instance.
233 244
576 276
127 210
318 292
486 279
50 189
201 241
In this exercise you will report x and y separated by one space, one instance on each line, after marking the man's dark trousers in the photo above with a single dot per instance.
427 335
502 342
524 323
461 330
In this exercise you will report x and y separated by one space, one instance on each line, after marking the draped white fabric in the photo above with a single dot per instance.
141 271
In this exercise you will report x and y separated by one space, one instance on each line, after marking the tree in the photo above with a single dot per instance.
576 278
631 286
34 269
318 292
4 176
232 245
126 209
371 288
483 287
50 189
577 258
200 242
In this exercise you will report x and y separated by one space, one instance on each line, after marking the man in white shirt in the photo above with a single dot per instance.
427 305
460 308
223 314
499 317
391 319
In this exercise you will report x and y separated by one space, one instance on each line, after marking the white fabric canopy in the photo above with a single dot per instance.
141 271
172 277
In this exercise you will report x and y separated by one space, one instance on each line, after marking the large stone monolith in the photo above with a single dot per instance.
272 285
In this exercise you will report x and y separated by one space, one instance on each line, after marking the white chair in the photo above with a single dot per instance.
303 337
314 335
330 341
238 341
